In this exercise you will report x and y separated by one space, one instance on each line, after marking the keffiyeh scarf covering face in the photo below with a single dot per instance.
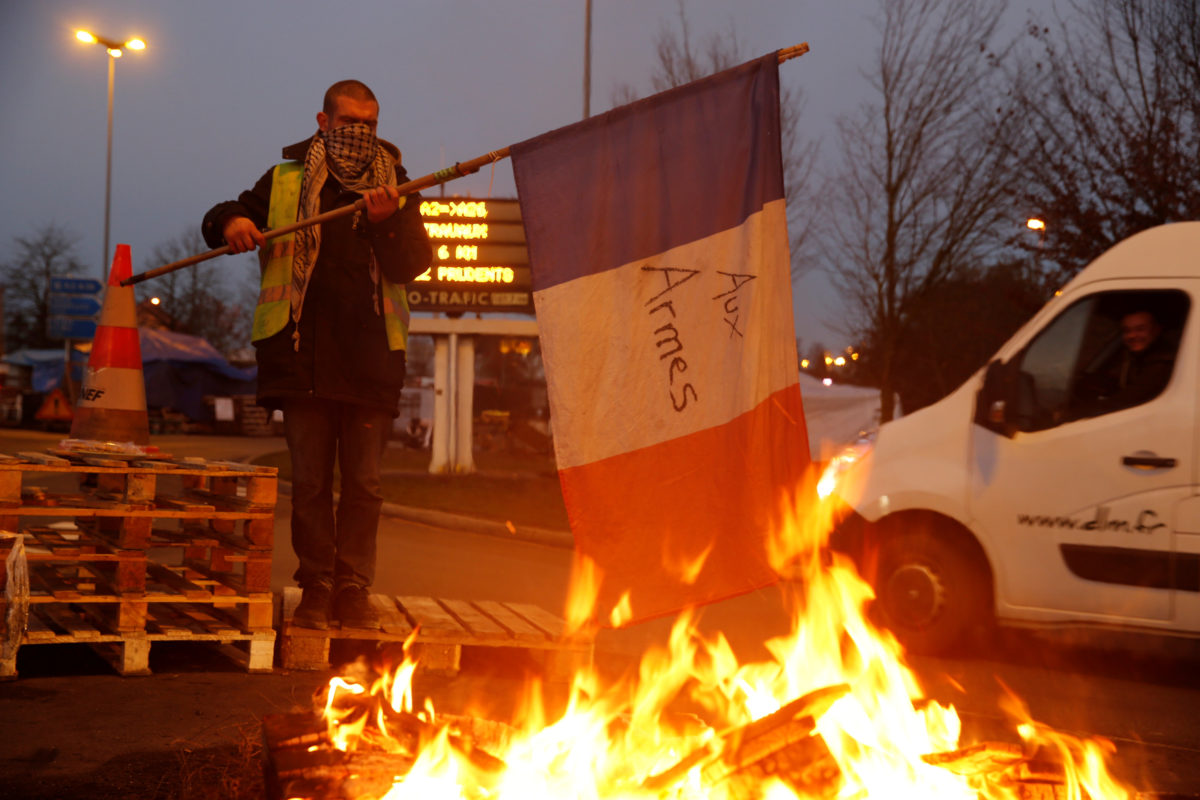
359 163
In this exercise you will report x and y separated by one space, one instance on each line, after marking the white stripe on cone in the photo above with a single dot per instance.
113 388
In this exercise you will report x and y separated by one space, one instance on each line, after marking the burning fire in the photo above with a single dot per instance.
835 713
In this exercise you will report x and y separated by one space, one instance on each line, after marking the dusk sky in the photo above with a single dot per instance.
223 85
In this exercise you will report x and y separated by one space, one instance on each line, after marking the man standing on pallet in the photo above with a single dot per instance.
330 333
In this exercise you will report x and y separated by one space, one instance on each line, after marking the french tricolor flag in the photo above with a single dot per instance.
658 242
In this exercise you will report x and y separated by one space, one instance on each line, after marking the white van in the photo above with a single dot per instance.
1049 489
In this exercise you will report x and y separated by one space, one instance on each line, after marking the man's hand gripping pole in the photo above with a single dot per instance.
433 179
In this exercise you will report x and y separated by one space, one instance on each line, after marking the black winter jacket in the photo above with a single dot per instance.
343 351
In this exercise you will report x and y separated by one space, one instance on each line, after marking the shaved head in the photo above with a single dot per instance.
355 90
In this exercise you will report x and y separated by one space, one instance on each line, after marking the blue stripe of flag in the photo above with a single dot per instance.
670 169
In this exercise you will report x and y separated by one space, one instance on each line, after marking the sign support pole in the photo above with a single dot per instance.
68 386
453 404
439 462
464 375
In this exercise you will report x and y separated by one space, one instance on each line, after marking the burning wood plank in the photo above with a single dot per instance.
303 763
753 750
1010 768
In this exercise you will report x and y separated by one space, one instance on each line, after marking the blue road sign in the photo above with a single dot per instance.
73 305
75 286
70 328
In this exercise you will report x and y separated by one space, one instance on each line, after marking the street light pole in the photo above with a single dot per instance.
112 70
114 50
587 59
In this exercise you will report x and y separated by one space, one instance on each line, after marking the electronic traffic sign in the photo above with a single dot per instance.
480 262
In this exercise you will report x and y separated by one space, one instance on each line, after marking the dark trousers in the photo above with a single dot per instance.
335 547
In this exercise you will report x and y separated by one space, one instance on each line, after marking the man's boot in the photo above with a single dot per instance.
352 607
313 610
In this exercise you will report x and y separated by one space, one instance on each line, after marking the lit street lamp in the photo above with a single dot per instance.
114 50
1035 224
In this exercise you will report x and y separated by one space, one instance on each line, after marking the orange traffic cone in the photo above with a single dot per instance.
112 396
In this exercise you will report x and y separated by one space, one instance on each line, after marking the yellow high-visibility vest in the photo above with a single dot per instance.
275 290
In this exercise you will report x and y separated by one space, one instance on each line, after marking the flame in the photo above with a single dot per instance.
686 568
622 612
345 723
693 722
582 593
1089 776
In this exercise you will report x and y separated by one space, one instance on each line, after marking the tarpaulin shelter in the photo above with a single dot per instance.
46 365
180 371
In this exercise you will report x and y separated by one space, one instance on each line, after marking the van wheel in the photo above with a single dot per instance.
928 592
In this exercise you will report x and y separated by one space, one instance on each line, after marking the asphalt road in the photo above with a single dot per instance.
1142 694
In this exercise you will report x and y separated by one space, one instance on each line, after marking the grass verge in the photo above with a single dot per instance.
506 487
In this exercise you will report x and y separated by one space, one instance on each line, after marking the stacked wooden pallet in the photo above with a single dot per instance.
123 552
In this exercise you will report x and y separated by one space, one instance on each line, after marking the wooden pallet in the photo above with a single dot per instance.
444 628
140 545
129 653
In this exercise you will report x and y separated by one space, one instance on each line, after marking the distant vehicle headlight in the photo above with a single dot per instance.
842 462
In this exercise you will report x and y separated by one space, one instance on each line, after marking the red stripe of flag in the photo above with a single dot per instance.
723 487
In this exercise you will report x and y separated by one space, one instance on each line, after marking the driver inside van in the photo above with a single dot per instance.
1139 372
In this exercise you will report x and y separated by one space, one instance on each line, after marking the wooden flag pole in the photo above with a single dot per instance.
432 179
788 53
459 170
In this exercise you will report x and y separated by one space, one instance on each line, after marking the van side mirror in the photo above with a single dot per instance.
994 402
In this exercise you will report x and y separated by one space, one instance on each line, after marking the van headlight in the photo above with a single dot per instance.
841 463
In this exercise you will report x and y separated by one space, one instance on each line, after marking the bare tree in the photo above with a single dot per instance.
1112 97
681 59
988 305
214 300
48 253
925 181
